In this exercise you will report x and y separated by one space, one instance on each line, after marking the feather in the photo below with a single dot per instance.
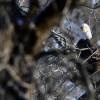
88 42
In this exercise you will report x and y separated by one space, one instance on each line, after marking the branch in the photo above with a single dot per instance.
90 56
15 76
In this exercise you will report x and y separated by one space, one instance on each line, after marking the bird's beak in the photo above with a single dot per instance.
84 29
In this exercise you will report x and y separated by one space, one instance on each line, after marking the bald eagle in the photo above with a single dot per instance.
86 41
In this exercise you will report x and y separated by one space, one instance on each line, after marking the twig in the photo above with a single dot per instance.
94 73
90 56
15 76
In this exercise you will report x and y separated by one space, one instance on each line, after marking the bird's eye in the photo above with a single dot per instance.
80 27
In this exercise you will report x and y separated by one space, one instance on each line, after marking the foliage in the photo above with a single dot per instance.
39 59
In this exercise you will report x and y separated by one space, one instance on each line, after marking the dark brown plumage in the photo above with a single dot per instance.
89 44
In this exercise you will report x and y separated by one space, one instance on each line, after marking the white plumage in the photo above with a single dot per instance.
86 32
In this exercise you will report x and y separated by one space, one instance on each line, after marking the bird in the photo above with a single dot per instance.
90 49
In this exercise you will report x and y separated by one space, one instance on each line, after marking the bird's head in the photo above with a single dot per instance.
86 32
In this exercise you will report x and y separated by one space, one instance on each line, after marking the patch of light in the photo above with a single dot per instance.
80 92
19 21
98 42
64 69
76 32
65 26
70 98
24 4
70 86
51 98
56 46
46 49
75 94
26 9
94 2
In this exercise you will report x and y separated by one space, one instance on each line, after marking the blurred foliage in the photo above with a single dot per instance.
38 56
